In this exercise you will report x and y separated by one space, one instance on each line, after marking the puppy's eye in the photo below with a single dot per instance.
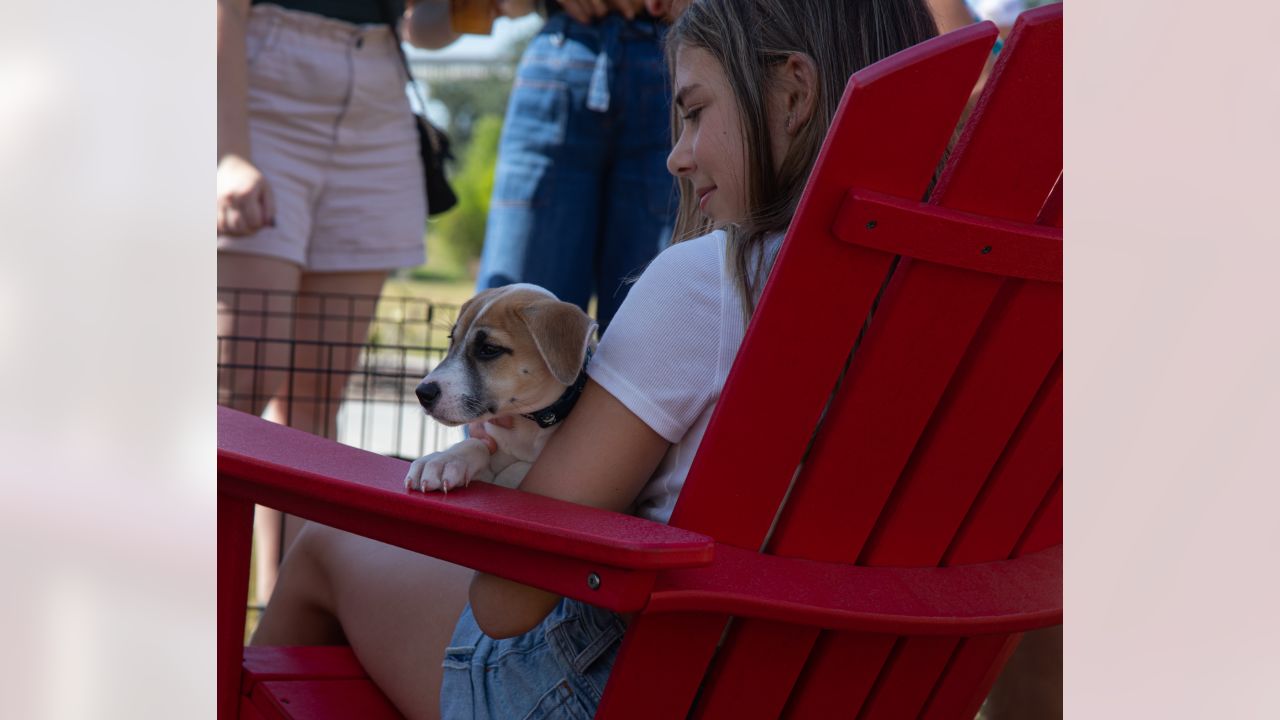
489 351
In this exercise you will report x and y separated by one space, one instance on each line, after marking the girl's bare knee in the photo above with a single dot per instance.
301 610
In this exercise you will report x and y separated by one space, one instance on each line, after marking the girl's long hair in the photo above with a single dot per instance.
750 38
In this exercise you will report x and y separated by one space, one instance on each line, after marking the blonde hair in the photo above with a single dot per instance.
749 38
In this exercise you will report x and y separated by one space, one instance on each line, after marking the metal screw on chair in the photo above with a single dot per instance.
593 581
871 225
986 250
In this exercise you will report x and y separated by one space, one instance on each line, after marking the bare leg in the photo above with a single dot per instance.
259 308
396 608
330 325
283 369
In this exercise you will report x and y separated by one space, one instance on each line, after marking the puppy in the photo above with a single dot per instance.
516 352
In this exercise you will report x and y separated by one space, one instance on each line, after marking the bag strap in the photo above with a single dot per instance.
393 23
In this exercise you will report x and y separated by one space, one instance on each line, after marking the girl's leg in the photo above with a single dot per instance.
255 302
330 325
293 365
255 305
396 608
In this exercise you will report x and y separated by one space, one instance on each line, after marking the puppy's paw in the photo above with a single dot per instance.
448 469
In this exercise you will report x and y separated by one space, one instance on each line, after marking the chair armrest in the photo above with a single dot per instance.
540 541
960 601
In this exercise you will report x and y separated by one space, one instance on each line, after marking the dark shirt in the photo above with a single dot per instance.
358 12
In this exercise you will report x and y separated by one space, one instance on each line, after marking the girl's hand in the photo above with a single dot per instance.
245 202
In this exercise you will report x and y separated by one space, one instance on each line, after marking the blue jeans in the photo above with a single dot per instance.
556 670
582 199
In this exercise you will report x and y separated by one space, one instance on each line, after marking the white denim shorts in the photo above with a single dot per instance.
331 130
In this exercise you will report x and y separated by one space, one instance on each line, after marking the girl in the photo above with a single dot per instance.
756 83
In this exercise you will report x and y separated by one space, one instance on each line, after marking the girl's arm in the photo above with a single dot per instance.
602 457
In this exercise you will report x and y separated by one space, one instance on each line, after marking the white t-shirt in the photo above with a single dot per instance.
668 351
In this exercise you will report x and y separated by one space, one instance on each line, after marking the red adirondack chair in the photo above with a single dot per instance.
885 570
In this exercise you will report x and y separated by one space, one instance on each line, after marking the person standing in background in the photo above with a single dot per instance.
582 200
320 195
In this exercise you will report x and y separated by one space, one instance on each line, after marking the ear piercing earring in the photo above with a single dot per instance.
791 116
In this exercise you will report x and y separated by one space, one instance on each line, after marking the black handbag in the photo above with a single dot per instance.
433 143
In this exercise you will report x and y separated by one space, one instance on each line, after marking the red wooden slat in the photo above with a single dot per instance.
851 667
332 699
754 690
1046 529
992 390
969 676
925 321
907 679
297 663
235 538
660 665
1018 484
301 682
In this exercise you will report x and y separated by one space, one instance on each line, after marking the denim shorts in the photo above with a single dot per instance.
556 670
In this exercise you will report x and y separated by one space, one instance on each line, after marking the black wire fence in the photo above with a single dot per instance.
341 366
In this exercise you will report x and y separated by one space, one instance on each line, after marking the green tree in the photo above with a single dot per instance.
470 100
462 229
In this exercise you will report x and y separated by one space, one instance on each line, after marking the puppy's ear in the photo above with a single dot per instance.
562 333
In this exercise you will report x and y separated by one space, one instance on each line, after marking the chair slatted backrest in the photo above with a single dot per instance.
943 442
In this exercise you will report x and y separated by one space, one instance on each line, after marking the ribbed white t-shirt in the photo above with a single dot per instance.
668 351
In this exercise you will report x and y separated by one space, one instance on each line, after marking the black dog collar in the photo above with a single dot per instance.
559 410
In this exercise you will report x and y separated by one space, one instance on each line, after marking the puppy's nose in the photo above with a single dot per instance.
428 393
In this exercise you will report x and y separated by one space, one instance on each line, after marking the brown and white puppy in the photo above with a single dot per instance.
516 352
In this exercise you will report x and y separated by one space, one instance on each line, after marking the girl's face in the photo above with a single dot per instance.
709 151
